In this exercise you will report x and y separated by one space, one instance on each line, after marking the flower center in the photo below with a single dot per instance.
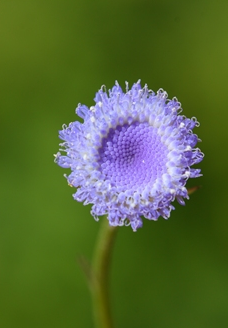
133 156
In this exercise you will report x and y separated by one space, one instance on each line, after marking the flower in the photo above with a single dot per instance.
132 155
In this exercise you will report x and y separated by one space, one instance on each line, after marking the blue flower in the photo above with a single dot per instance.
132 155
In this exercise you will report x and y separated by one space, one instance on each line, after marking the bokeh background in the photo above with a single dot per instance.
55 54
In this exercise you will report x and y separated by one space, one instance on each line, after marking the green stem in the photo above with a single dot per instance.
100 275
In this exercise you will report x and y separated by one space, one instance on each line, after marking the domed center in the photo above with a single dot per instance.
132 156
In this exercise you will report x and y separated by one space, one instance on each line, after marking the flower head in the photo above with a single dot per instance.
132 155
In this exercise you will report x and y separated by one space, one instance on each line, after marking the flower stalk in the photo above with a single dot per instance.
99 282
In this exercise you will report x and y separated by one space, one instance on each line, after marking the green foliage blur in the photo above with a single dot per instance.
55 54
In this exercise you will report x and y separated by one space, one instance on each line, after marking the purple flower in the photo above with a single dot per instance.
132 156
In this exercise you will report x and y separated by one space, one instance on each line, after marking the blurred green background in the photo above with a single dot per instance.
55 54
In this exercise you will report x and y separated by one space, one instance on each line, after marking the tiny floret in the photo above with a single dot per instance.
132 155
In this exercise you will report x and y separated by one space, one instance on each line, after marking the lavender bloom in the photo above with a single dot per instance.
132 156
